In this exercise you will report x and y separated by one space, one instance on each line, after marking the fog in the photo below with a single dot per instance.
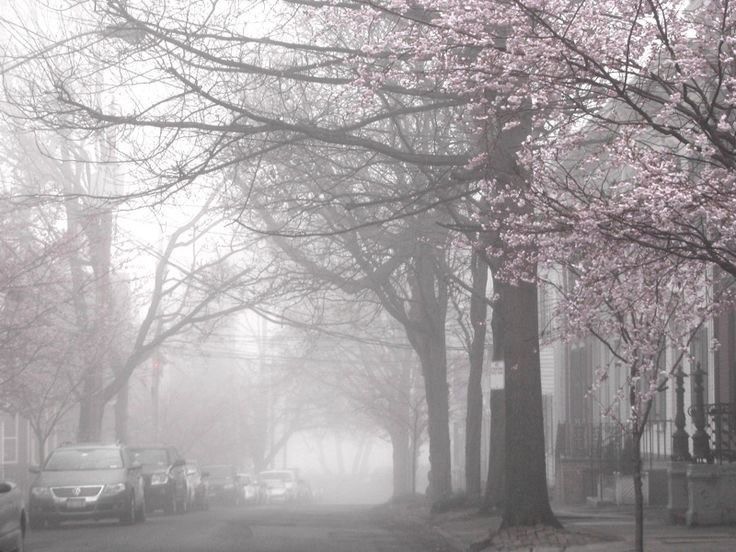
286 275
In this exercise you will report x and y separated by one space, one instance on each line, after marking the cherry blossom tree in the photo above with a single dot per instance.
624 115
647 85
645 309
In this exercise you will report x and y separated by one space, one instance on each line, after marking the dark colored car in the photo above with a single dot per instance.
197 486
164 478
87 482
12 518
223 484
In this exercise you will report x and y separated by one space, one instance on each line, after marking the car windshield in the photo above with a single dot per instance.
150 456
219 472
278 475
274 483
84 459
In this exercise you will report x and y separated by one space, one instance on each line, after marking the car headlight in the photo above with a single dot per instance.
159 479
113 489
40 492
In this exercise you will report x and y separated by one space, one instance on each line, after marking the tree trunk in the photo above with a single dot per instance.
495 484
638 494
98 228
40 437
121 415
434 368
526 500
91 412
474 415
402 468
426 332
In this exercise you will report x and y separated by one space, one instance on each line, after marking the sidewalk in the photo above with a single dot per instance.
585 530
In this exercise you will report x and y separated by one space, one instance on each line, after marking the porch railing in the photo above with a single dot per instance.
607 446
721 420
714 438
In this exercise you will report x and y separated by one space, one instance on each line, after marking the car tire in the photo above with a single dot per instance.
140 513
181 506
170 506
128 517
20 542
52 523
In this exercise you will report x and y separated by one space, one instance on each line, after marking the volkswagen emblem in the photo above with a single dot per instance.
77 491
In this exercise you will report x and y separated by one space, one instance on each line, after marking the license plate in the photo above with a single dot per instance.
75 503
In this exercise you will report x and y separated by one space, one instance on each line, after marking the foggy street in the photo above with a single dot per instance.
367 275
259 529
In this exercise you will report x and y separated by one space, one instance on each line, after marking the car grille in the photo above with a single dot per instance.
72 492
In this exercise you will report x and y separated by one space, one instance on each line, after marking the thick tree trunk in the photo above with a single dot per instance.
91 412
526 500
426 332
402 467
121 415
98 229
474 415
434 366
496 482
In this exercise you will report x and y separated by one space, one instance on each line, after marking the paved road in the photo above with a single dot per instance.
256 529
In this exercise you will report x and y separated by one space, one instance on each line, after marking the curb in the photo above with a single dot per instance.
454 542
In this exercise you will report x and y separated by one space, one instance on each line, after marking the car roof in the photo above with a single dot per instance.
89 446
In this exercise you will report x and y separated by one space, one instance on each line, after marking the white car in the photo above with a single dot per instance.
279 484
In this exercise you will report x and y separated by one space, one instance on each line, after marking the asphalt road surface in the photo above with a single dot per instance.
314 528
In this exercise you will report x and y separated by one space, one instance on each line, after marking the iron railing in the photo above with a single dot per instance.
721 424
608 446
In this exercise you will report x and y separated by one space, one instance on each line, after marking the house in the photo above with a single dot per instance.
19 448
591 455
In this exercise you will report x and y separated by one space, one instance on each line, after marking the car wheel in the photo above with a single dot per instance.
140 514
170 506
52 523
128 518
181 506
20 542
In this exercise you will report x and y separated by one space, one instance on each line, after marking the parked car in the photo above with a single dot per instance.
197 485
251 488
275 491
222 484
87 482
304 491
12 517
164 476
279 485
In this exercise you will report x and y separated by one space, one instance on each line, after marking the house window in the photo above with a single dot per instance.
10 439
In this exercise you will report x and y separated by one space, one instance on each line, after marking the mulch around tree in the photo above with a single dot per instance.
538 536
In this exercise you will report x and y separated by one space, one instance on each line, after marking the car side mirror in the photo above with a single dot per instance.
34 469
5 487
